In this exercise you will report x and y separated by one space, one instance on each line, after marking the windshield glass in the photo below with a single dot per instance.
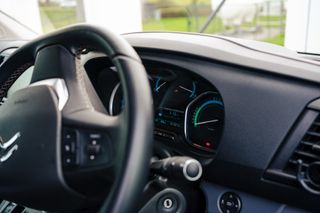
272 21
12 29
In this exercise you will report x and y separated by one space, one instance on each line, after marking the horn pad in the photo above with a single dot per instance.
32 114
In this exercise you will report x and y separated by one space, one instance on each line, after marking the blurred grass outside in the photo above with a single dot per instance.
271 18
54 17
278 40
57 17
182 24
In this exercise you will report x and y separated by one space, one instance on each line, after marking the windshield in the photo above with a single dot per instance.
12 29
272 21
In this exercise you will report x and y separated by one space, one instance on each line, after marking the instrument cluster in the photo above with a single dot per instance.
188 109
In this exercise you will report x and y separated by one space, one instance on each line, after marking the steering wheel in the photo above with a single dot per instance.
58 150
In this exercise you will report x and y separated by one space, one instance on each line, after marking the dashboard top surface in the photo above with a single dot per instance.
265 57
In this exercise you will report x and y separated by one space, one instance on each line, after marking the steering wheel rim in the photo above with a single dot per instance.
56 56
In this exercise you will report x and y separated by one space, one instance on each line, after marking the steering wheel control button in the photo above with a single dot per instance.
69 135
167 204
94 149
82 148
230 202
69 161
68 146
94 146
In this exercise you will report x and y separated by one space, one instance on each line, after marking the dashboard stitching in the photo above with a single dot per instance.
79 76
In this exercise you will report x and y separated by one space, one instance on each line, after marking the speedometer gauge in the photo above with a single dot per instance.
204 120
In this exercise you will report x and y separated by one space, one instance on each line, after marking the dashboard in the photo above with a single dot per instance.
247 111
251 95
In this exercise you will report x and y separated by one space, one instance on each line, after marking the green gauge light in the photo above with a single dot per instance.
196 121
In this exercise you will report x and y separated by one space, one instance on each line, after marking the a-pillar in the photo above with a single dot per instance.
303 26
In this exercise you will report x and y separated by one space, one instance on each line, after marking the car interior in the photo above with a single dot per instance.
93 121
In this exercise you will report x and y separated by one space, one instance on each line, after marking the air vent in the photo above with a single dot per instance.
297 163
308 149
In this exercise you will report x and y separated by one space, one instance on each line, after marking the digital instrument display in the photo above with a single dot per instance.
187 108
204 121
169 119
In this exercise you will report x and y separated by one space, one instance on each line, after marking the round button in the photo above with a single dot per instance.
230 202
193 170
